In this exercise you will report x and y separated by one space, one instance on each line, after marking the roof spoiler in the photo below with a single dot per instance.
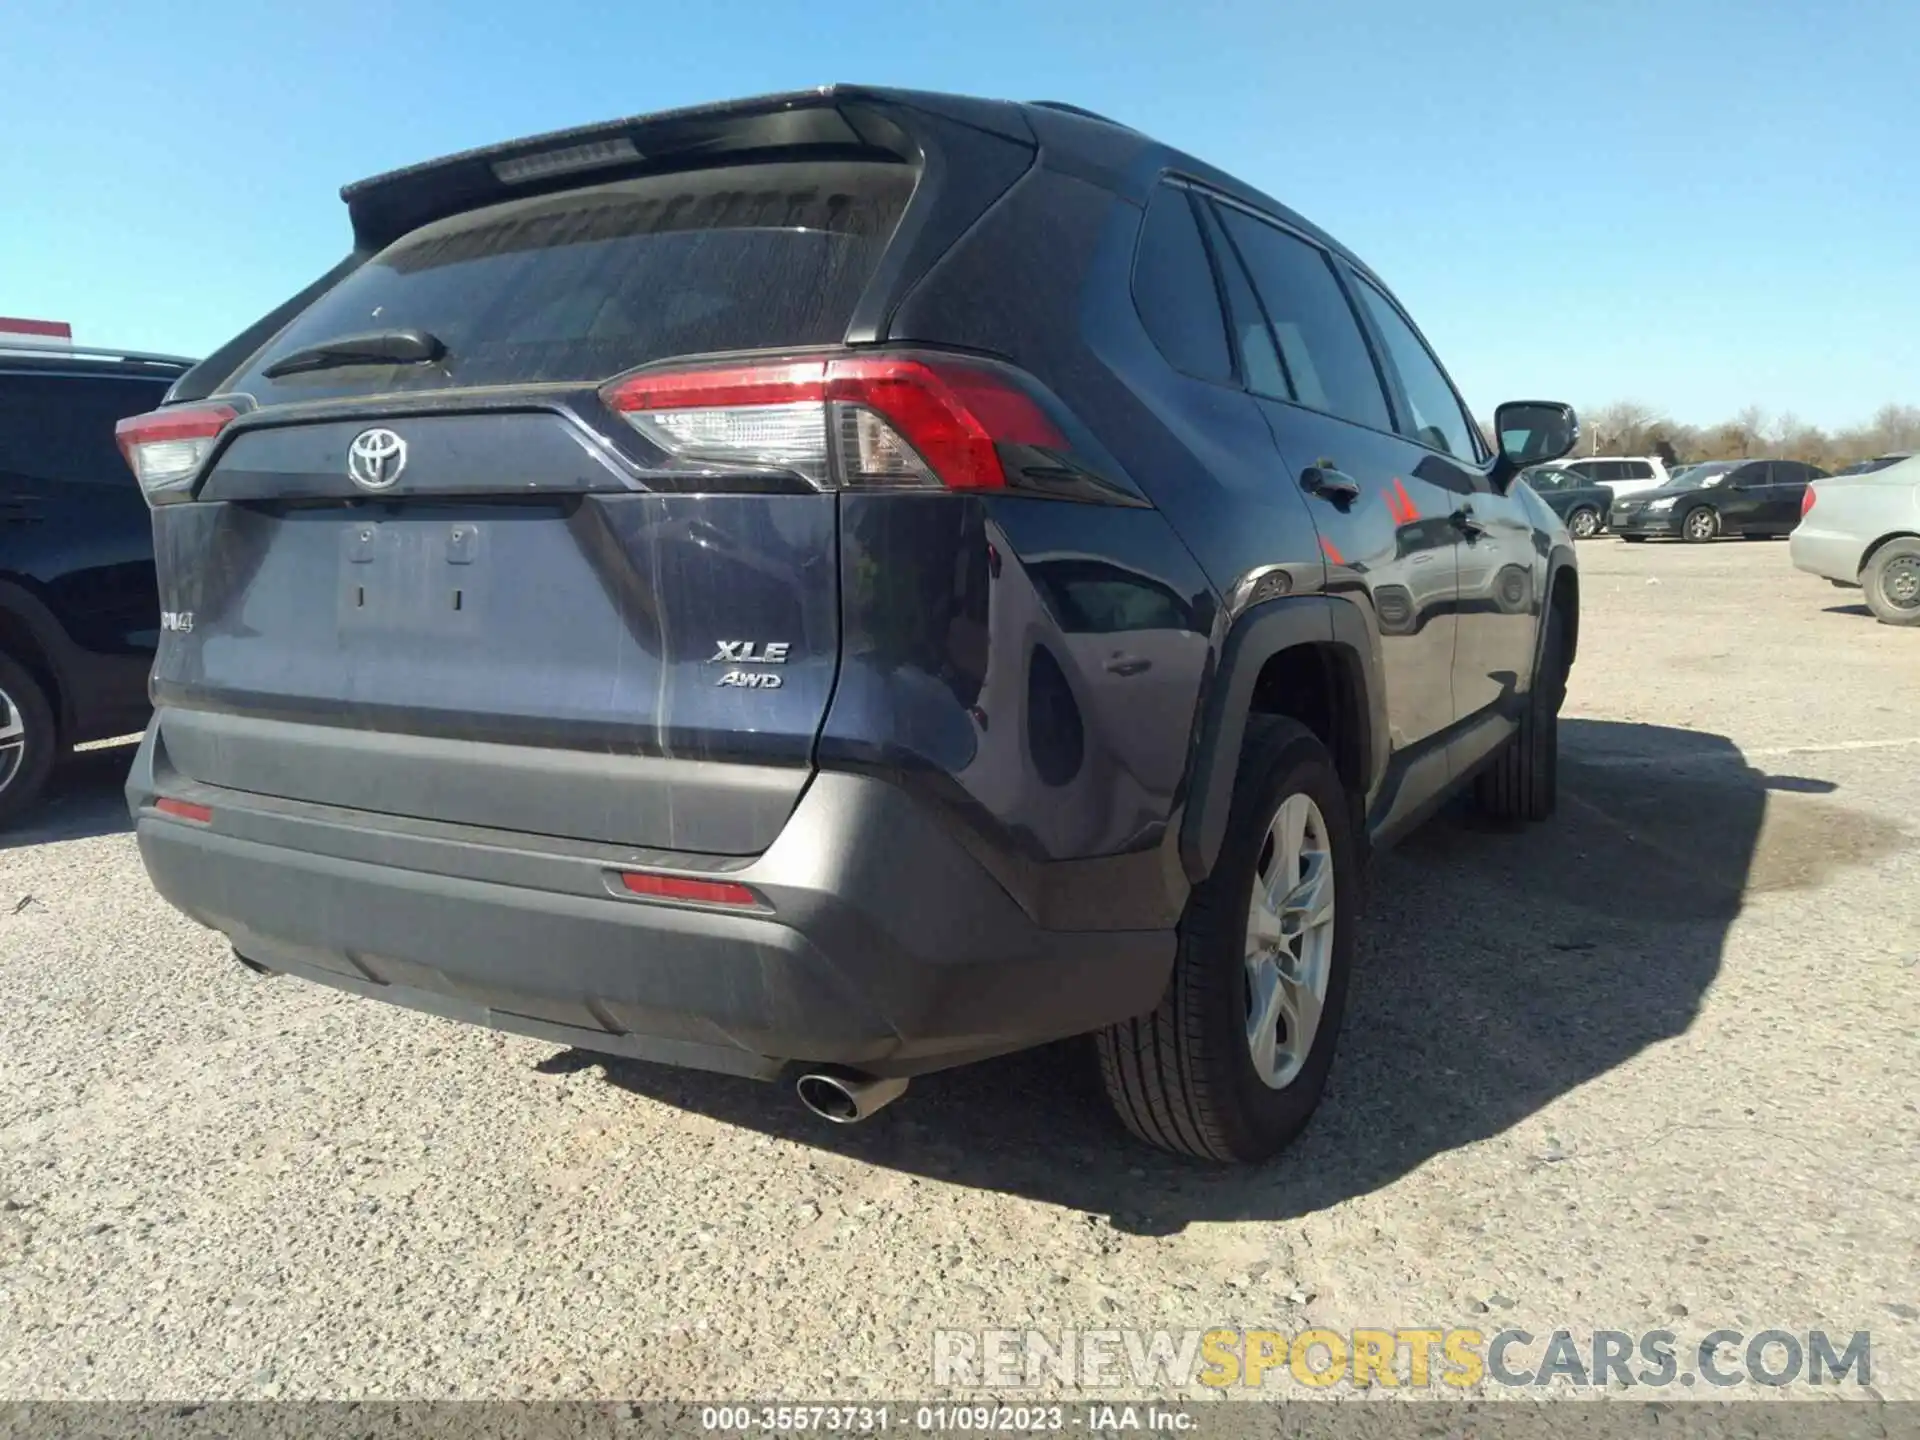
833 120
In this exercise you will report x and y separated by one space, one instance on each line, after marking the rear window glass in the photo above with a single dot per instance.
586 283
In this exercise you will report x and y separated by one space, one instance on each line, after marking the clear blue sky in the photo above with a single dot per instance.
1699 204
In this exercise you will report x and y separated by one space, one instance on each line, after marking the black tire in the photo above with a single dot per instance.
23 773
1584 523
1701 525
1182 1078
1892 582
1522 783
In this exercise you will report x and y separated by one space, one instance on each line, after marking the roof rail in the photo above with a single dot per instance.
88 352
1081 111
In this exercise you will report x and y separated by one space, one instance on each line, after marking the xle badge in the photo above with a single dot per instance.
750 652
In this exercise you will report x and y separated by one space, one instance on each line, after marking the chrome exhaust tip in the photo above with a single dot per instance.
846 1097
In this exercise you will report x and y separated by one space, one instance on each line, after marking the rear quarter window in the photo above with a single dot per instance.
1174 292
586 283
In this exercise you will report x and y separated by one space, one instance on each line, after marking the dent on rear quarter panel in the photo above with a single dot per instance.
1030 667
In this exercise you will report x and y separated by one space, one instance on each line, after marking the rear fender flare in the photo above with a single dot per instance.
1255 638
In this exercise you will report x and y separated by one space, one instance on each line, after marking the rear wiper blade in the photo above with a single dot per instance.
374 347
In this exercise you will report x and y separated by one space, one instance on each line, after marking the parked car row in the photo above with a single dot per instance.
1859 528
1755 499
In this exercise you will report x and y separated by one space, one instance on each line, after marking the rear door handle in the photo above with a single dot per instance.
1464 521
1330 484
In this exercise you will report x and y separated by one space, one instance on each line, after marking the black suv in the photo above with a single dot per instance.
1757 499
842 584
79 615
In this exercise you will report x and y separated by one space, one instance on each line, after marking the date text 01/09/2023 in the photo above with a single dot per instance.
944 1419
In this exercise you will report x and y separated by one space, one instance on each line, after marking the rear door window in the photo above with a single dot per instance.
1635 470
1174 292
1325 358
61 427
583 284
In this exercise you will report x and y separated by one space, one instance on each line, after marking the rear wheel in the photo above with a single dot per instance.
1701 524
1584 523
1233 1062
28 739
1892 583
1523 781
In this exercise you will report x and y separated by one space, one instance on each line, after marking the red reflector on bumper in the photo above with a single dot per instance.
184 810
673 887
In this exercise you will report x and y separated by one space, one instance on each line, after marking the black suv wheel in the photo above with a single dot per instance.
28 739
1233 1062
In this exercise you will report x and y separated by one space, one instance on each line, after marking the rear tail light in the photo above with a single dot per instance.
184 810
677 887
1806 502
855 421
167 447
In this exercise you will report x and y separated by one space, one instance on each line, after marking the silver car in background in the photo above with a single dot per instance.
1864 530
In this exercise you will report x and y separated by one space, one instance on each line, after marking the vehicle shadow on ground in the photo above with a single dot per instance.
84 798
1847 610
1500 970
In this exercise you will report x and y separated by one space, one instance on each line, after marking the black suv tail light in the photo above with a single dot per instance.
167 448
857 421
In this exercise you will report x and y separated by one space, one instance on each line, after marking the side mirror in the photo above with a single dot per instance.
1532 432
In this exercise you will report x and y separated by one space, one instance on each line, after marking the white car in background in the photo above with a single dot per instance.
1864 530
1623 474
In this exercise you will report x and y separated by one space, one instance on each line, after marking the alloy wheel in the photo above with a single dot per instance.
1700 525
13 739
1289 950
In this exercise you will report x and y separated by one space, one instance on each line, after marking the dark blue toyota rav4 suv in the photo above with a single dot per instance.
842 585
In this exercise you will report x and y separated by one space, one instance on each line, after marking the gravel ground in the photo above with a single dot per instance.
1651 1065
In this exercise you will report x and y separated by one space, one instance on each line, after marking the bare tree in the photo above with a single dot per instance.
1620 428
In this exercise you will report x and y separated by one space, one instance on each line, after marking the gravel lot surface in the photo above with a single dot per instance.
1651 1065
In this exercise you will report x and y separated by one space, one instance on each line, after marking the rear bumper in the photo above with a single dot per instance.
879 941
1821 552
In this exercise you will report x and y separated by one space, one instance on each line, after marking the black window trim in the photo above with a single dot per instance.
1334 263
1340 264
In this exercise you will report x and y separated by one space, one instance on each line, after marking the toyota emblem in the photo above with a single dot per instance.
375 459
